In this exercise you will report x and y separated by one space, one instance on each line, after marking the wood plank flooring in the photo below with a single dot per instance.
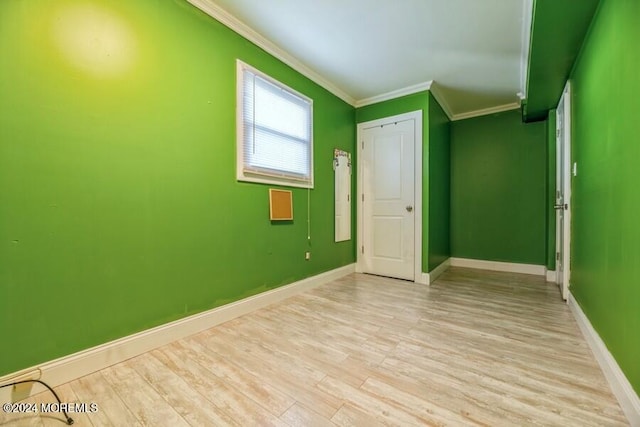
475 348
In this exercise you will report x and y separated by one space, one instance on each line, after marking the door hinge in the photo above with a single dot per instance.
363 197
362 249
557 133
557 256
362 144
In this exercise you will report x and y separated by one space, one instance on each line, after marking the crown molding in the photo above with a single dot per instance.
487 111
236 25
432 86
409 90
230 21
525 47
437 94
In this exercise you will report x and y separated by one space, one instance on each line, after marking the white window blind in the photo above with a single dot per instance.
275 131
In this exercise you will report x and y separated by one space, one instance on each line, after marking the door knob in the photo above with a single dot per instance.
409 208
561 207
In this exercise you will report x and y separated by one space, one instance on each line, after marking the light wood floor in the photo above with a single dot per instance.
475 348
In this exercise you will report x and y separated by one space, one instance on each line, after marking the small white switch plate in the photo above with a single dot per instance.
307 255
575 168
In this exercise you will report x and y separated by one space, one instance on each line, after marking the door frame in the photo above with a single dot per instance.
416 116
563 141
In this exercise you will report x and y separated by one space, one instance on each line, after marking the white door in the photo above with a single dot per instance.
387 199
563 192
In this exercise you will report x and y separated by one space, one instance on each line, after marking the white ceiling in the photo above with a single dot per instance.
473 51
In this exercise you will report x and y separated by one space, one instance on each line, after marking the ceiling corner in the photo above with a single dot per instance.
439 97
236 25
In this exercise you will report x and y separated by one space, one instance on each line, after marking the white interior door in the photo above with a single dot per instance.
388 200
563 192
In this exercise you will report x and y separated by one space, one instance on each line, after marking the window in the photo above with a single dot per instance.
275 143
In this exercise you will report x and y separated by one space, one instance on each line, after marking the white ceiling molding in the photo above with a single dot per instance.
221 15
437 94
432 87
225 18
527 20
487 111
409 90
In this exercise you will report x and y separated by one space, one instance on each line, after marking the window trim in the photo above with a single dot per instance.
250 176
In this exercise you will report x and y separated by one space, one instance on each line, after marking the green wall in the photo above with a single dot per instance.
406 104
119 206
439 184
605 272
498 189
557 31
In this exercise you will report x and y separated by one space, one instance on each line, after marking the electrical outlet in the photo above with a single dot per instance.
19 391
307 255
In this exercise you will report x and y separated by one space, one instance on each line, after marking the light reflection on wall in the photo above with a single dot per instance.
94 40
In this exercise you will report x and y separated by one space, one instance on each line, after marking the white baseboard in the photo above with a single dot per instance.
539 270
552 276
433 275
423 279
71 367
622 389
